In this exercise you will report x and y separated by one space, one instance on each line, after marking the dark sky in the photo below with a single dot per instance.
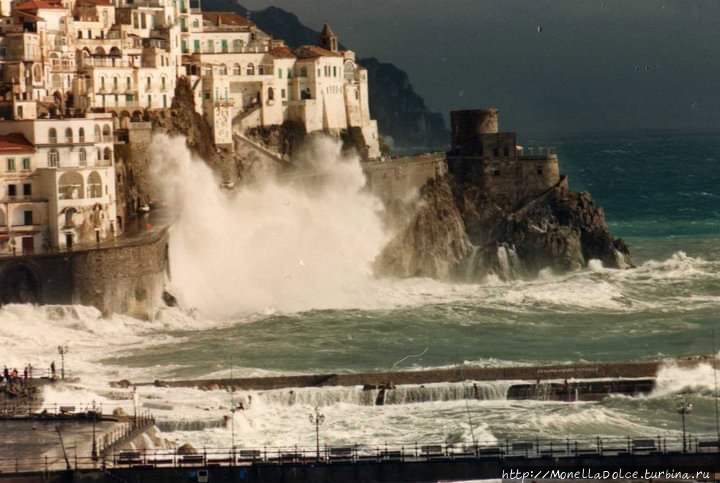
597 64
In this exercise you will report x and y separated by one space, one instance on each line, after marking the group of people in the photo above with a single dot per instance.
13 376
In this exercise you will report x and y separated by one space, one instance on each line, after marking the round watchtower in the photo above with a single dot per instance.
468 125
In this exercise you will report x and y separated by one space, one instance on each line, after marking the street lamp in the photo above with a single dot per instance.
684 409
317 419
62 350
94 440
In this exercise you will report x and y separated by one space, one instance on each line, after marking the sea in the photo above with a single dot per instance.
276 279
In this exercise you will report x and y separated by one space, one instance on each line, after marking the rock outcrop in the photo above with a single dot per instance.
458 233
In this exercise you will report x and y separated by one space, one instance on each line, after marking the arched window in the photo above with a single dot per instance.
271 94
163 81
70 186
251 69
52 136
94 185
115 83
106 133
223 69
196 24
53 158
83 157
128 83
108 154
237 70
81 135
98 137
68 135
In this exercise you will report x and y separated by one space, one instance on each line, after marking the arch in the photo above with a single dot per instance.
94 185
82 156
106 133
53 158
163 82
115 52
99 51
98 135
71 186
137 116
19 283
128 83
68 135
107 154
237 69
125 120
222 69
52 135
81 135
251 69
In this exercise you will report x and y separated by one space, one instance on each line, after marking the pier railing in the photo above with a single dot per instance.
514 450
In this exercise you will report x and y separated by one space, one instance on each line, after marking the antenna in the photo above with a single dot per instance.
717 410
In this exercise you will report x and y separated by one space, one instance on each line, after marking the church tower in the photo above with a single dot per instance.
328 39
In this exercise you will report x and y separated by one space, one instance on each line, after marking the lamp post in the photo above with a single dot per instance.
684 409
317 419
62 350
94 453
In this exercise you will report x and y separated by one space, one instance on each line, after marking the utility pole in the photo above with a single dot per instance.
94 453
317 419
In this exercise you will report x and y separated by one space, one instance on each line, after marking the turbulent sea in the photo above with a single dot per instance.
661 193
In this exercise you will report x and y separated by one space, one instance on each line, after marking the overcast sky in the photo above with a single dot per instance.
597 64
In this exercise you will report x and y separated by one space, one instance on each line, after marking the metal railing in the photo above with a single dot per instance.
351 454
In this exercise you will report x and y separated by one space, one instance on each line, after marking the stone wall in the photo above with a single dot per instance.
402 178
127 278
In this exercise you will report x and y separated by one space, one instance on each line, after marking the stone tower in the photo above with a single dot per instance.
328 39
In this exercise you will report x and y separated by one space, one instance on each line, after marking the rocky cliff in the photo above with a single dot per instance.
401 112
458 233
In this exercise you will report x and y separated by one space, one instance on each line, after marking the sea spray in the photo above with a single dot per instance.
285 245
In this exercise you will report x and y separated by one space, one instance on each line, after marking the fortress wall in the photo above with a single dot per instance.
403 177
128 279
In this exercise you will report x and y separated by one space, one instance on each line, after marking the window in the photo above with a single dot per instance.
20 112
26 164
280 72
148 83
68 136
211 46
52 136
27 217
115 83
283 93
108 154
251 69
81 135
184 47
106 133
539 170
128 83
271 94
163 82
196 45
289 73
303 72
196 24
27 189
11 164
97 134
224 45
334 71
237 70
237 45
12 190
83 157
53 158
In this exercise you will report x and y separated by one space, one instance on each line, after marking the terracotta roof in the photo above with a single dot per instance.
27 15
99 3
282 52
226 18
314 51
37 4
15 143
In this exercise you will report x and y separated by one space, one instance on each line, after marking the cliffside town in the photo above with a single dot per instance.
85 83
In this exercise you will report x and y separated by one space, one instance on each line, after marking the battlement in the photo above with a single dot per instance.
483 156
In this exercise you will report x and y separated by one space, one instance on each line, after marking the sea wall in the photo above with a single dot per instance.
125 276
400 178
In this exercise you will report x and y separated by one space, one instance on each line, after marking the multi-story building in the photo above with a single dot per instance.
74 71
